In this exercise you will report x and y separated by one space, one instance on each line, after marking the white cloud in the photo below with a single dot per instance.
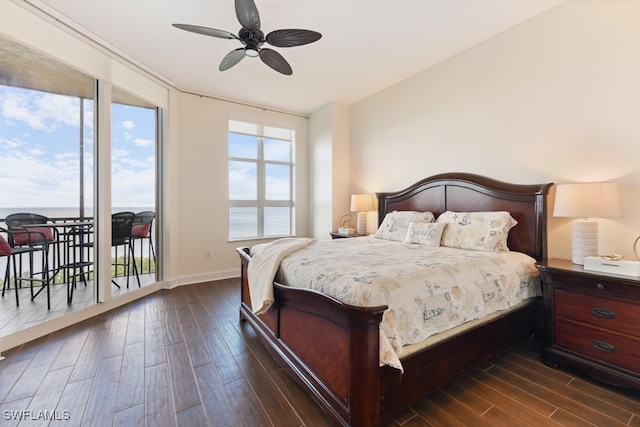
40 158
35 181
41 111
141 142
8 144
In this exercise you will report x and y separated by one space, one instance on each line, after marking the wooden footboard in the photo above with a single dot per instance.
432 368
320 340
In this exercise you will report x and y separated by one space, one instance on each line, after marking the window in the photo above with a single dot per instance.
260 184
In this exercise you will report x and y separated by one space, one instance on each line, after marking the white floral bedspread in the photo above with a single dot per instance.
427 289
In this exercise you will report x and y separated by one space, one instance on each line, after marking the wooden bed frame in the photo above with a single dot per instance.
331 348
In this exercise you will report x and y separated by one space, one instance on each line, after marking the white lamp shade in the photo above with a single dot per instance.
586 200
361 203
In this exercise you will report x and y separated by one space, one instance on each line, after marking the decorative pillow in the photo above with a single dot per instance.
5 249
141 230
425 233
32 235
395 224
480 231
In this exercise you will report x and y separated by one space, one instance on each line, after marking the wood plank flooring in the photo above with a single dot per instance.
182 358
31 313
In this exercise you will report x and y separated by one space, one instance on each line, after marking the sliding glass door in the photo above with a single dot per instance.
133 187
50 142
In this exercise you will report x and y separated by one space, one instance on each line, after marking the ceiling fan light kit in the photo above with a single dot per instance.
253 38
251 51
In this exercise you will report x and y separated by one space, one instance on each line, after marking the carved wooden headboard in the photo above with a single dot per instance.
463 192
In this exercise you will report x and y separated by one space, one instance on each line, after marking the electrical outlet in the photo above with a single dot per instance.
207 253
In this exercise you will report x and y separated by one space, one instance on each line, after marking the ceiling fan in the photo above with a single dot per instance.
253 38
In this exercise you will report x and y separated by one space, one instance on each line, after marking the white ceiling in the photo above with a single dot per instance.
366 45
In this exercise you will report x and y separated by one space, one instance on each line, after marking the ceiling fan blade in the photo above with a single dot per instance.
292 37
274 60
231 59
213 32
247 14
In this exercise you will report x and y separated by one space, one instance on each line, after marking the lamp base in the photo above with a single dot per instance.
362 223
585 240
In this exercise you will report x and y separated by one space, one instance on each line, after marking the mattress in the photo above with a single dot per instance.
428 290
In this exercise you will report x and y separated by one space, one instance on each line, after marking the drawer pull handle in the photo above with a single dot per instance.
603 346
603 313
600 286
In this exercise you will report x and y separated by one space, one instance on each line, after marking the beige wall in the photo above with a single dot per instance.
555 99
329 159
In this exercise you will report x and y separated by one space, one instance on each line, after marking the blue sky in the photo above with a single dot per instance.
39 151
242 175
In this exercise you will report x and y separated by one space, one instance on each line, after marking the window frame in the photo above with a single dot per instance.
261 202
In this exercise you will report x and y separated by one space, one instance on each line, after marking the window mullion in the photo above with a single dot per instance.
261 182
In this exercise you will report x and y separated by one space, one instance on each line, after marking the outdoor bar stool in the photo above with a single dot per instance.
142 229
14 254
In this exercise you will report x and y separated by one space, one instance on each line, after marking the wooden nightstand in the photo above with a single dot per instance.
592 321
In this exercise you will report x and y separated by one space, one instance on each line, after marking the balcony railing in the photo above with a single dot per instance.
59 258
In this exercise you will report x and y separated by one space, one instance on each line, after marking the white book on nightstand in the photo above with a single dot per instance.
346 231
618 266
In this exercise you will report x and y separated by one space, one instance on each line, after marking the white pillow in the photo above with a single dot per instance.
395 224
425 233
480 231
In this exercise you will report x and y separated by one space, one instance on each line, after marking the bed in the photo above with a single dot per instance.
333 349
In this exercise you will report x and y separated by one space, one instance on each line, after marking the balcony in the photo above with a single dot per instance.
30 312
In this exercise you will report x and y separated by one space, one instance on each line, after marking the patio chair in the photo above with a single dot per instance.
41 238
42 235
141 230
121 226
15 253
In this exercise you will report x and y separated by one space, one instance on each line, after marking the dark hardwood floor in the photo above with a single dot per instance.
182 358
31 313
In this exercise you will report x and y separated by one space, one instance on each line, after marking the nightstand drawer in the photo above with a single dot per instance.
621 317
601 345
623 288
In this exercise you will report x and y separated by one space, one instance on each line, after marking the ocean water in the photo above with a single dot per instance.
243 222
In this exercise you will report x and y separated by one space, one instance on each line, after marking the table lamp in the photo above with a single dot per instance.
585 201
361 203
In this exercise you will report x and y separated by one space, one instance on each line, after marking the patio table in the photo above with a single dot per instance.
73 235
